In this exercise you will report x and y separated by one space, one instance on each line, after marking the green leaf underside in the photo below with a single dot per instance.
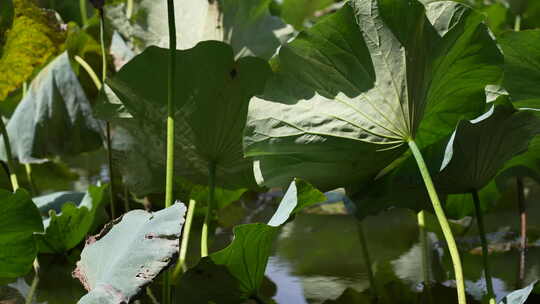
522 64
34 38
68 218
363 81
296 12
116 264
246 25
54 118
246 257
19 220
479 149
210 112
522 76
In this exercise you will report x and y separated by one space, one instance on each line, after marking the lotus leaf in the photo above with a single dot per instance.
128 254
364 81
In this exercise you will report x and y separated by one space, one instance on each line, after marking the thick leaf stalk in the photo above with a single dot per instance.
84 12
483 240
210 208
443 221
426 258
170 129
181 265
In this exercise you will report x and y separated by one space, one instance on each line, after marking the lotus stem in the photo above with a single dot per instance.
181 265
209 210
151 295
367 258
485 252
170 129
523 231
90 71
126 199
443 221
129 9
33 188
84 12
9 156
517 23
107 124
30 296
426 256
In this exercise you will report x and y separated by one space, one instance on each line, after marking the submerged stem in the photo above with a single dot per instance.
181 265
523 231
209 210
483 240
426 257
367 259
443 221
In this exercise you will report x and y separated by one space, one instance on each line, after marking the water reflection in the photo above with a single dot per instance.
318 256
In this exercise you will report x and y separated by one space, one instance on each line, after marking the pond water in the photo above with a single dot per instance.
317 256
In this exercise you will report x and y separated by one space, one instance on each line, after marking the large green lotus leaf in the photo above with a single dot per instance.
296 12
34 38
68 217
522 76
518 296
348 93
479 148
128 254
54 118
19 220
244 24
213 92
522 64
246 257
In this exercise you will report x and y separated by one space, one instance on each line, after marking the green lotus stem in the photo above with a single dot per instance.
426 257
9 156
33 188
84 12
483 240
107 124
367 259
90 71
170 105
208 216
523 231
129 9
517 23
181 265
170 129
126 199
28 167
443 221
30 296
